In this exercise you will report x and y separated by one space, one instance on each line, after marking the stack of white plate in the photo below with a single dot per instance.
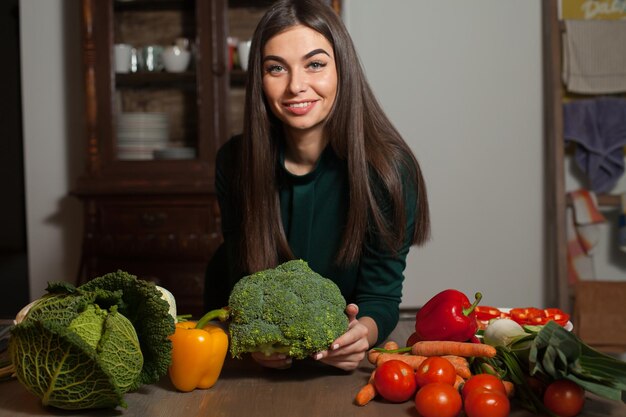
140 134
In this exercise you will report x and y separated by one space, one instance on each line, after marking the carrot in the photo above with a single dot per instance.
391 345
372 355
509 387
446 347
413 360
367 393
462 371
457 360
459 380
461 365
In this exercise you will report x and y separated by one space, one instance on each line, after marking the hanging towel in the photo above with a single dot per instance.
582 220
598 127
594 56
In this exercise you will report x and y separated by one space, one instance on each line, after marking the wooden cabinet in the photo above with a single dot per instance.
146 210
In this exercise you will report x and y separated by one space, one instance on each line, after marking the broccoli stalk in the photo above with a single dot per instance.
289 309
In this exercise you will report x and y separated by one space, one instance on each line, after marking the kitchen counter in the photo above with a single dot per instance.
306 389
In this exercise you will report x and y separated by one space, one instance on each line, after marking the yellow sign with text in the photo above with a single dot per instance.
592 9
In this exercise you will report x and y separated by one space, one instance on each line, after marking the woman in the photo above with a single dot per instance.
320 174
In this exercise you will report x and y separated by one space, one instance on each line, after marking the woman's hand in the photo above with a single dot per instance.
349 349
276 360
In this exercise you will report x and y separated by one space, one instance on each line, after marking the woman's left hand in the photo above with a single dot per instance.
349 349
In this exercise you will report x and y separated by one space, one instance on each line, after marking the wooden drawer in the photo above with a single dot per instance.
152 229
116 219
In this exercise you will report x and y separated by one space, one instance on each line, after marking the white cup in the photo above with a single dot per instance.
122 57
175 59
243 51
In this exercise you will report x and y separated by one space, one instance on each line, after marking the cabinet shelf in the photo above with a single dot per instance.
605 200
249 3
156 79
152 5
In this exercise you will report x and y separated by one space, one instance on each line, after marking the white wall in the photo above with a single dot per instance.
462 82
53 137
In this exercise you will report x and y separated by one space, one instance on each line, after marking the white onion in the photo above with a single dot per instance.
502 332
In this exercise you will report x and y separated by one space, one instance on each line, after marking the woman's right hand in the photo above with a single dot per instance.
275 360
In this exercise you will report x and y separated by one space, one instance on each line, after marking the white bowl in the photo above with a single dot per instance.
175 59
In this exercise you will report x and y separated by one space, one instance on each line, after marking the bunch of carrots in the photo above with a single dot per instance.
457 353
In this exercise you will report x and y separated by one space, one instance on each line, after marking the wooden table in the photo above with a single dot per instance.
244 389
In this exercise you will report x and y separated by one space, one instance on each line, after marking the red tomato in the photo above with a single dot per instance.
483 381
435 369
438 400
395 381
487 312
564 398
482 402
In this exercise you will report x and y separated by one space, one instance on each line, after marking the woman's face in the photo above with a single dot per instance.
300 78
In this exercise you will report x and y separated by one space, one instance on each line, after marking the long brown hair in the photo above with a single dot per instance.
368 142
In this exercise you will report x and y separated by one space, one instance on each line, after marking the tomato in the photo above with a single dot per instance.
438 400
564 398
487 312
483 381
395 381
482 402
435 369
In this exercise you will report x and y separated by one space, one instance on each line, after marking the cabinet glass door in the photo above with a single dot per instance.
155 111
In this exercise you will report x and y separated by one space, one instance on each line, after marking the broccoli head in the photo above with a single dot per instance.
289 309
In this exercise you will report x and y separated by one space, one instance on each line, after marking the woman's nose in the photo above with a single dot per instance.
298 82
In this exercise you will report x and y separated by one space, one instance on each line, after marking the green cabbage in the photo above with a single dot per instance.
85 347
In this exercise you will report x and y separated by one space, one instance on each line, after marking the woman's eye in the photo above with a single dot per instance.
317 65
274 69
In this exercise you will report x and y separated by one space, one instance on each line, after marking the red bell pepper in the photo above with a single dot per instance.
449 315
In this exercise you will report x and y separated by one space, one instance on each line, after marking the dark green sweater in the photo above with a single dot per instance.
314 211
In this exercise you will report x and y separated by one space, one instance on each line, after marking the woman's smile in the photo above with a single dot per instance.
300 108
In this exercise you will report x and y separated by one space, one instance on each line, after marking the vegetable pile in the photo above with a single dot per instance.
289 309
525 354
535 358
437 375
85 347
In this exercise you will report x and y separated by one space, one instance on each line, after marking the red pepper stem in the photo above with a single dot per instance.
468 311
222 314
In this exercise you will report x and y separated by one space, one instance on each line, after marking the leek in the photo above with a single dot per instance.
549 353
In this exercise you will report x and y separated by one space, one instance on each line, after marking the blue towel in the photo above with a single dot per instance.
598 127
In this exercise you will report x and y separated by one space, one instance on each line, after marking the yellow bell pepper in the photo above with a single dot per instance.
198 353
